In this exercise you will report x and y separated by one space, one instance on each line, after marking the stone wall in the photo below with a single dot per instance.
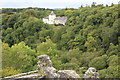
91 73
45 66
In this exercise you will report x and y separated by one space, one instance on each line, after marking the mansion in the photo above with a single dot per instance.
52 19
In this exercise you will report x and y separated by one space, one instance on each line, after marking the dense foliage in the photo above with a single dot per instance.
90 38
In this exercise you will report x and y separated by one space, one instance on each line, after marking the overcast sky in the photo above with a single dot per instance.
51 3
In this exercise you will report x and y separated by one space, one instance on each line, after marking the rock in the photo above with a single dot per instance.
32 74
44 61
45 65
44 71
91 73
68 74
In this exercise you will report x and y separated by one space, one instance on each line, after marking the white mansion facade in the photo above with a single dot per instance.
52 19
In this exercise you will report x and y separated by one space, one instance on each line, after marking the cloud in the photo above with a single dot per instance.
51 3
59 0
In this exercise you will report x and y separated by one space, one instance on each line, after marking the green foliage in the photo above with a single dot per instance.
113 50
23 56
50 49
113 60
56 62
9 71
113 72
19 56
90 44
99 62
86 57
12 20
103 73
70 66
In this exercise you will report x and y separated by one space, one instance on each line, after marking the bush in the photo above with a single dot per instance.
99 62
9 71
113 72
113 60
102 73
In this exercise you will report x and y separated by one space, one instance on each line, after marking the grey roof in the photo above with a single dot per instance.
52 13
61 18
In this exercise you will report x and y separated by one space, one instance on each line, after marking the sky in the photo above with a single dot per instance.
52 3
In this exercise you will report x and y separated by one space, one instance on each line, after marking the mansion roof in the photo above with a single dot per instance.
61 18
57 18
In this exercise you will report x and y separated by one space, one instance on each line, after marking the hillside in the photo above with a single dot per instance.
90 38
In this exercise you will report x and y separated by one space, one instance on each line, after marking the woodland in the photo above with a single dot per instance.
90 38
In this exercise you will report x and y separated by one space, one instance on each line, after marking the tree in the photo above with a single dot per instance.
112 50
93 4
81 6
99 62
112 4
5 55
107 35
18 35
113 72
19 23
113 60
9 39
90 44
7 31
12 20
9 71
70 66
31 12
106 5
103 73
86 57
50 49
33 25
21 57
30 40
